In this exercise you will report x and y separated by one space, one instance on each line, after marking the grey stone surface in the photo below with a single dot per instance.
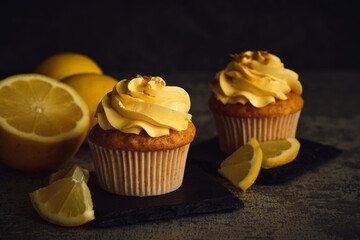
324 203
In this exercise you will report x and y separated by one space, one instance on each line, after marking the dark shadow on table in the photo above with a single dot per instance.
311 155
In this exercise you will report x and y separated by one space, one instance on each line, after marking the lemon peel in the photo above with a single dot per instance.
243 166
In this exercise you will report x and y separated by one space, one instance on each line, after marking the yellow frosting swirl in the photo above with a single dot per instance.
144 103
257 77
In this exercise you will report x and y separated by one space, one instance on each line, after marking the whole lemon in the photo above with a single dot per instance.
92 88
61 65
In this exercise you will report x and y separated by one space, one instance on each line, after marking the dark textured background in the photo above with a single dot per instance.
155 38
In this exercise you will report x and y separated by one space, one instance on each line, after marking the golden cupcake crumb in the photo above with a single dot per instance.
115 139
292 104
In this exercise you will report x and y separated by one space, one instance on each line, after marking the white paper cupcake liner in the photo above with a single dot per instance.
136 173
234 131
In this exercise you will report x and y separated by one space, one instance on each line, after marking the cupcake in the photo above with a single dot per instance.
255 96
142 138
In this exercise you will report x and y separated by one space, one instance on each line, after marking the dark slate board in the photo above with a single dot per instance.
198 194
311 155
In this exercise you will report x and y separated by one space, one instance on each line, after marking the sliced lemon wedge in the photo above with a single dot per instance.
243 166
66 202
75 172
279 152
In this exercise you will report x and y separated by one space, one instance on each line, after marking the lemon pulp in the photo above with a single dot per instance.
75 172
243 166
37 107
279 152
42 122
66 202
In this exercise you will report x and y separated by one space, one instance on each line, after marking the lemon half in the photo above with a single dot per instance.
43 122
